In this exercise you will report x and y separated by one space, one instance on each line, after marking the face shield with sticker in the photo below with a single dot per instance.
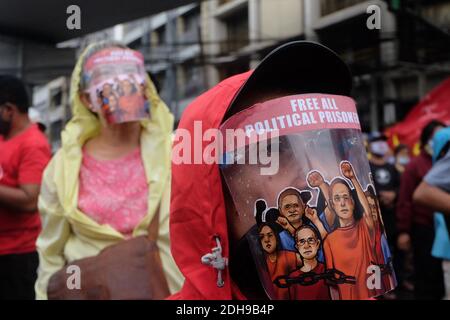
305 204
115 82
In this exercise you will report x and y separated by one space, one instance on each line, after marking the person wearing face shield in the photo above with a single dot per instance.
109 184
299 95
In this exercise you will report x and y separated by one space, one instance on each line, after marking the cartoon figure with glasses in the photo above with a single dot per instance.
308 242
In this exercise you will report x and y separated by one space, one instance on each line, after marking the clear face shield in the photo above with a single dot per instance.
297 171
115 83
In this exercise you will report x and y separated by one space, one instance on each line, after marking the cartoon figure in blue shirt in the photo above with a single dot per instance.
294 212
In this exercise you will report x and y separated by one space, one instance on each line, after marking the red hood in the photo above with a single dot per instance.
197 203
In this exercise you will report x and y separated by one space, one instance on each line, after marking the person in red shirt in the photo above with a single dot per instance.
24 154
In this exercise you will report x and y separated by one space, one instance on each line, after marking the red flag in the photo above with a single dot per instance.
435 106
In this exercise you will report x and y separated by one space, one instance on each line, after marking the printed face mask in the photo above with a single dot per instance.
403 160
297 171
115 82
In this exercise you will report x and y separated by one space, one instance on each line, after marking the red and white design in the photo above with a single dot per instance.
115 82
293 114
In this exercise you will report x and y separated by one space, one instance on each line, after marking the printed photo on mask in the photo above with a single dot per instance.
115 81
314 227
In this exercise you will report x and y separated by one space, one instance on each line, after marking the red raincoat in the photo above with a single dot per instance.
197 204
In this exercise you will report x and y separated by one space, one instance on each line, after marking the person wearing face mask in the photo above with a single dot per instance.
415 221
110 181
401 154
387 180
24 153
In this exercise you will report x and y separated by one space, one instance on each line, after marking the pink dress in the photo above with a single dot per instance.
114 192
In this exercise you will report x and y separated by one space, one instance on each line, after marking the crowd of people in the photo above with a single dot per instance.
409 226
104 201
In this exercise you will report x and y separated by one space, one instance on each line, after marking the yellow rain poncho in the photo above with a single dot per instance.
68 234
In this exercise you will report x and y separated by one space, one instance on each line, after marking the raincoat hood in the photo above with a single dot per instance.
198 212
84 124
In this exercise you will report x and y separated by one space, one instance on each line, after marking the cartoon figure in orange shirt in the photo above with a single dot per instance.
382 253
131 100
279 262
350 247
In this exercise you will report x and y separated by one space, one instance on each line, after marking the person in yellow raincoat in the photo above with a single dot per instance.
77 178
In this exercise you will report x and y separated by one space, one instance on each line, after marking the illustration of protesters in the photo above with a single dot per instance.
349 248
140 86
112 109
327 216
111 195
308 243
279 262
106 92
381 250
117 86
131 101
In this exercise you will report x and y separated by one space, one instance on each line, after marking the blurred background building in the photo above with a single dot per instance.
190 48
